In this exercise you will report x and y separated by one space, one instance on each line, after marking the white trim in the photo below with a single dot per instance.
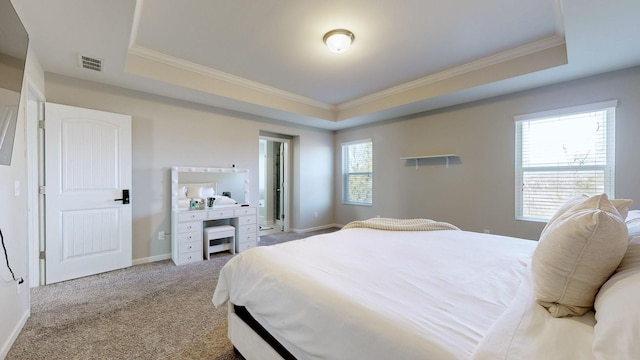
353 142
151 259
288 184
135 23
33 144
479 64
567 110
220 75
553 115
345 171
14 334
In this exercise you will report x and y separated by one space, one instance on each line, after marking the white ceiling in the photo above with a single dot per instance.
267 57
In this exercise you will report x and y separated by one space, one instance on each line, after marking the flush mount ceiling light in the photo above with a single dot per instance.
338 40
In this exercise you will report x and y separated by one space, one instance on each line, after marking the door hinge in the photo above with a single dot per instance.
282 216
43 255
41 124
42 190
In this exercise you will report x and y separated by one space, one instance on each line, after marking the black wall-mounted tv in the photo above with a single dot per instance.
14 42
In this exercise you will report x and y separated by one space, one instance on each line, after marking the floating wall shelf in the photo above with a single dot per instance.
416 158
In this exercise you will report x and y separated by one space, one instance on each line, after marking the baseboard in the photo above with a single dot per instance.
14 335
328 226
151 259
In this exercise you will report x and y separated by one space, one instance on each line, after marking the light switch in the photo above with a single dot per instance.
16 188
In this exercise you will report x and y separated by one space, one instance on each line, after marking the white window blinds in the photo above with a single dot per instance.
561 154
357 172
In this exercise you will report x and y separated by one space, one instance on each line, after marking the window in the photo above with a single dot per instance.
561 154
357 172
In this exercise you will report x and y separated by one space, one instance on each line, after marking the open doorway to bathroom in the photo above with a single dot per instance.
274 168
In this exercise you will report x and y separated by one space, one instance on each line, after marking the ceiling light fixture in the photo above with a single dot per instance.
338 40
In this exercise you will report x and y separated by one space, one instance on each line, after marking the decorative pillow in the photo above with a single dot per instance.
224 200
182 192
622 205
206 192
617 306
576 254
193 191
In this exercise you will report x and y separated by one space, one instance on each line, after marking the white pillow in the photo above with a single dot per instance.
182 192
206 192
633 223
577 253
633 217
617 306
224 200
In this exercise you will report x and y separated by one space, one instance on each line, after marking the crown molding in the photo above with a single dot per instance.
479 64
169 60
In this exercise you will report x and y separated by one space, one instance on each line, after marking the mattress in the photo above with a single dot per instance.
374 294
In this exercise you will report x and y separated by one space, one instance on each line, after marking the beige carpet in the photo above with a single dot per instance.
150 311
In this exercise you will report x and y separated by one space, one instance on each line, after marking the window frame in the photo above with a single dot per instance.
608 168
346 174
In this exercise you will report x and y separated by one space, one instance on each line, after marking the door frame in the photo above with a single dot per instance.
286 224
35 162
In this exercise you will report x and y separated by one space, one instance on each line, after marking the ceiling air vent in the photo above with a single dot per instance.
90 63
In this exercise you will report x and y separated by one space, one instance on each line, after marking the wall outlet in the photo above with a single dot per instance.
487 231
17 288
315 214
161 235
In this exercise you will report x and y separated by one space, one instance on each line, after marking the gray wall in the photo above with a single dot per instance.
169 133
478 192
13 221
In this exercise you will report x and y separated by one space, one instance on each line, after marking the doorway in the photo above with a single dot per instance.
274 169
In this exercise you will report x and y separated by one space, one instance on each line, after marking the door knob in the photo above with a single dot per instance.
125 197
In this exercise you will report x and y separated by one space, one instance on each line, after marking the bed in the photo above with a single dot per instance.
391 291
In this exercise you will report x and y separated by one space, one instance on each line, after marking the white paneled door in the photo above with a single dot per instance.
87 185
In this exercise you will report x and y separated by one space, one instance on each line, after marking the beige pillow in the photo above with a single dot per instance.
622 205
577 252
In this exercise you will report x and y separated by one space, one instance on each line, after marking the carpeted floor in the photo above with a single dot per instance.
150 311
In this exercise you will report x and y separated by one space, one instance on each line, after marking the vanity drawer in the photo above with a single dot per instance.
220 214
194 236
192 216
190 257
247 229
187 247
190 227
245 211
247 238
247 220
246 246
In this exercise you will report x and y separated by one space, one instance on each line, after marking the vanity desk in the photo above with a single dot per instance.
187 225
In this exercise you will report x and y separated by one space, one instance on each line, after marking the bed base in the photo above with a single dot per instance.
250 339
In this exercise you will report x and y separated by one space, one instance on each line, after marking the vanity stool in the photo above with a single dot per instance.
219 238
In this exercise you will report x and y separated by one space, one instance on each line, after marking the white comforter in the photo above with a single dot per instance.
372 294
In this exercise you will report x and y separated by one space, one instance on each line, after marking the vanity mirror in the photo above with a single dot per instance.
233 182
192 226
